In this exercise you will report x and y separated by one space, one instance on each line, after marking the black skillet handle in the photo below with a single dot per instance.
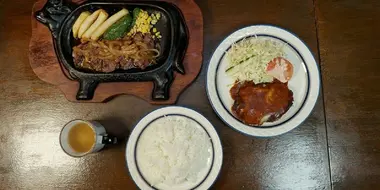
162 83
53 14
181 50
182 42
86 89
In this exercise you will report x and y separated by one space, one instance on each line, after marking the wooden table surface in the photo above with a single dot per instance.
337 147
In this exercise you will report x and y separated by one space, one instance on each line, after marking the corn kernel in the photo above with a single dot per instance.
145 24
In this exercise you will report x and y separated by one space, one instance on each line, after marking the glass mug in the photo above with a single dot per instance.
79 138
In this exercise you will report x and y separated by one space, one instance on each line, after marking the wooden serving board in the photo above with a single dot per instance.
45 64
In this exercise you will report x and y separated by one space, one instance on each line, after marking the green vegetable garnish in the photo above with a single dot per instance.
119 29
229 68
135 13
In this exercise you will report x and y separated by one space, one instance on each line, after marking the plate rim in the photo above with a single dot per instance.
313 75
306 69
216 166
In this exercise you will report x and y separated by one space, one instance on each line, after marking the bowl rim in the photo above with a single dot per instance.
142 124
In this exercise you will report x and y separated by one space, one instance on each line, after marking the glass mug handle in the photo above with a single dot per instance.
107 139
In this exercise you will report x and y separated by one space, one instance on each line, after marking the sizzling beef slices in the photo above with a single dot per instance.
108 55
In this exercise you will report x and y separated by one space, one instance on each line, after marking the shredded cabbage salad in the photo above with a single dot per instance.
248 59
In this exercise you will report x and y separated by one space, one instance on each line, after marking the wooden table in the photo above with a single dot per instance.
337 147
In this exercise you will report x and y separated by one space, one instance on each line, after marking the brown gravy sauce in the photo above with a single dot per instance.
255 104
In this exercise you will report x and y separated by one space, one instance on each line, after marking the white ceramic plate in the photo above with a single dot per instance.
304 84
209 176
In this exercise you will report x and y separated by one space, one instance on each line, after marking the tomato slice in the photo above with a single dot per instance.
280 68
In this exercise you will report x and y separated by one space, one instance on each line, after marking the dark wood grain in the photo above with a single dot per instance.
350 58
46 66
33 112
297 160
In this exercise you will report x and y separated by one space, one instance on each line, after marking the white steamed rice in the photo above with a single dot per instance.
173 150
